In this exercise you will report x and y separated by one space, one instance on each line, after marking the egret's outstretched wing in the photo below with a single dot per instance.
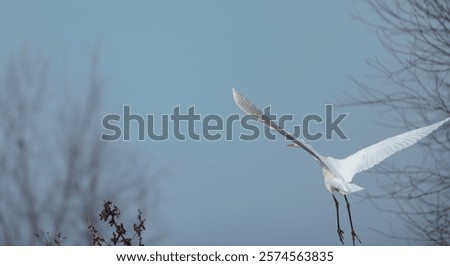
373 155
250 109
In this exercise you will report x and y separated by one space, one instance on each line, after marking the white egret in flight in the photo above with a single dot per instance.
338 173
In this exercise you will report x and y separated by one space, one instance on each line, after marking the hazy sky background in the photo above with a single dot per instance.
295 55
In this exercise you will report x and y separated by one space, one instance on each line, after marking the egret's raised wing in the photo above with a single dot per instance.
373 155
250 109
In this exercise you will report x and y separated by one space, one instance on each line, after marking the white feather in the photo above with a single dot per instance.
245 105
376 153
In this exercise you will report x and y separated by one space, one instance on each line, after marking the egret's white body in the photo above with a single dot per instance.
338 173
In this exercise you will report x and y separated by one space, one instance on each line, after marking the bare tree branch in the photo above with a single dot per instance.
55 171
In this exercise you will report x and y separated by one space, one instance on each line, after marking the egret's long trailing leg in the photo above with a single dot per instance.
339 230
354 236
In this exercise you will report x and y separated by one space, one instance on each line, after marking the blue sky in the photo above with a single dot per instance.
296 56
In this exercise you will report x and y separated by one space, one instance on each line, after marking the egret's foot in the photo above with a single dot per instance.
355 237
341 235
